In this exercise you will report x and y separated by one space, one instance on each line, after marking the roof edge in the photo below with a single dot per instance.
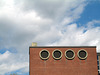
62 47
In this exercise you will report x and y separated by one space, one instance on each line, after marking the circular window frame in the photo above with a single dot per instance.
42 57
68 57
81 57
54 56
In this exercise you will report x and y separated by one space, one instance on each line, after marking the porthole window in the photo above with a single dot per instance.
44 54
69 54
82 54
57 54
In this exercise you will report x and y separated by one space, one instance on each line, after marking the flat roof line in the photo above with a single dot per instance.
62 47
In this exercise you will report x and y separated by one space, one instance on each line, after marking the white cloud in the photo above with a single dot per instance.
46 22
75 36
4 56
7 68
10 62
93 23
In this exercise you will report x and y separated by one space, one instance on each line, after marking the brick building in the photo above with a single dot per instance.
63 60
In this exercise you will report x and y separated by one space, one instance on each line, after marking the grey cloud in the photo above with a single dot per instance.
21 34
19 28
56 9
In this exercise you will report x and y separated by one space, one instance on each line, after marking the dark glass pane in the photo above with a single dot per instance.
57 54
97 57
82 54
98 67
98 62
44 54
69 54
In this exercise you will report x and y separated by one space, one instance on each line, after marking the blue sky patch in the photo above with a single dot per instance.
12 50
91 12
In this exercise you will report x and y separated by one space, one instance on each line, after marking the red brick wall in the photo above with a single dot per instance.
63 66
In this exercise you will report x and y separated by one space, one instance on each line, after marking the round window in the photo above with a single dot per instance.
57 54
69 54
82 54
44 54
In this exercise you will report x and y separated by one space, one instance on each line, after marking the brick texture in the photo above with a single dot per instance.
63 66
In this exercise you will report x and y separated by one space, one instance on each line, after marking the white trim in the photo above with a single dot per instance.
72 51
81 57
41 56
54 56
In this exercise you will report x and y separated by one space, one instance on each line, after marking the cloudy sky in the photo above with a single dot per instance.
47 22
